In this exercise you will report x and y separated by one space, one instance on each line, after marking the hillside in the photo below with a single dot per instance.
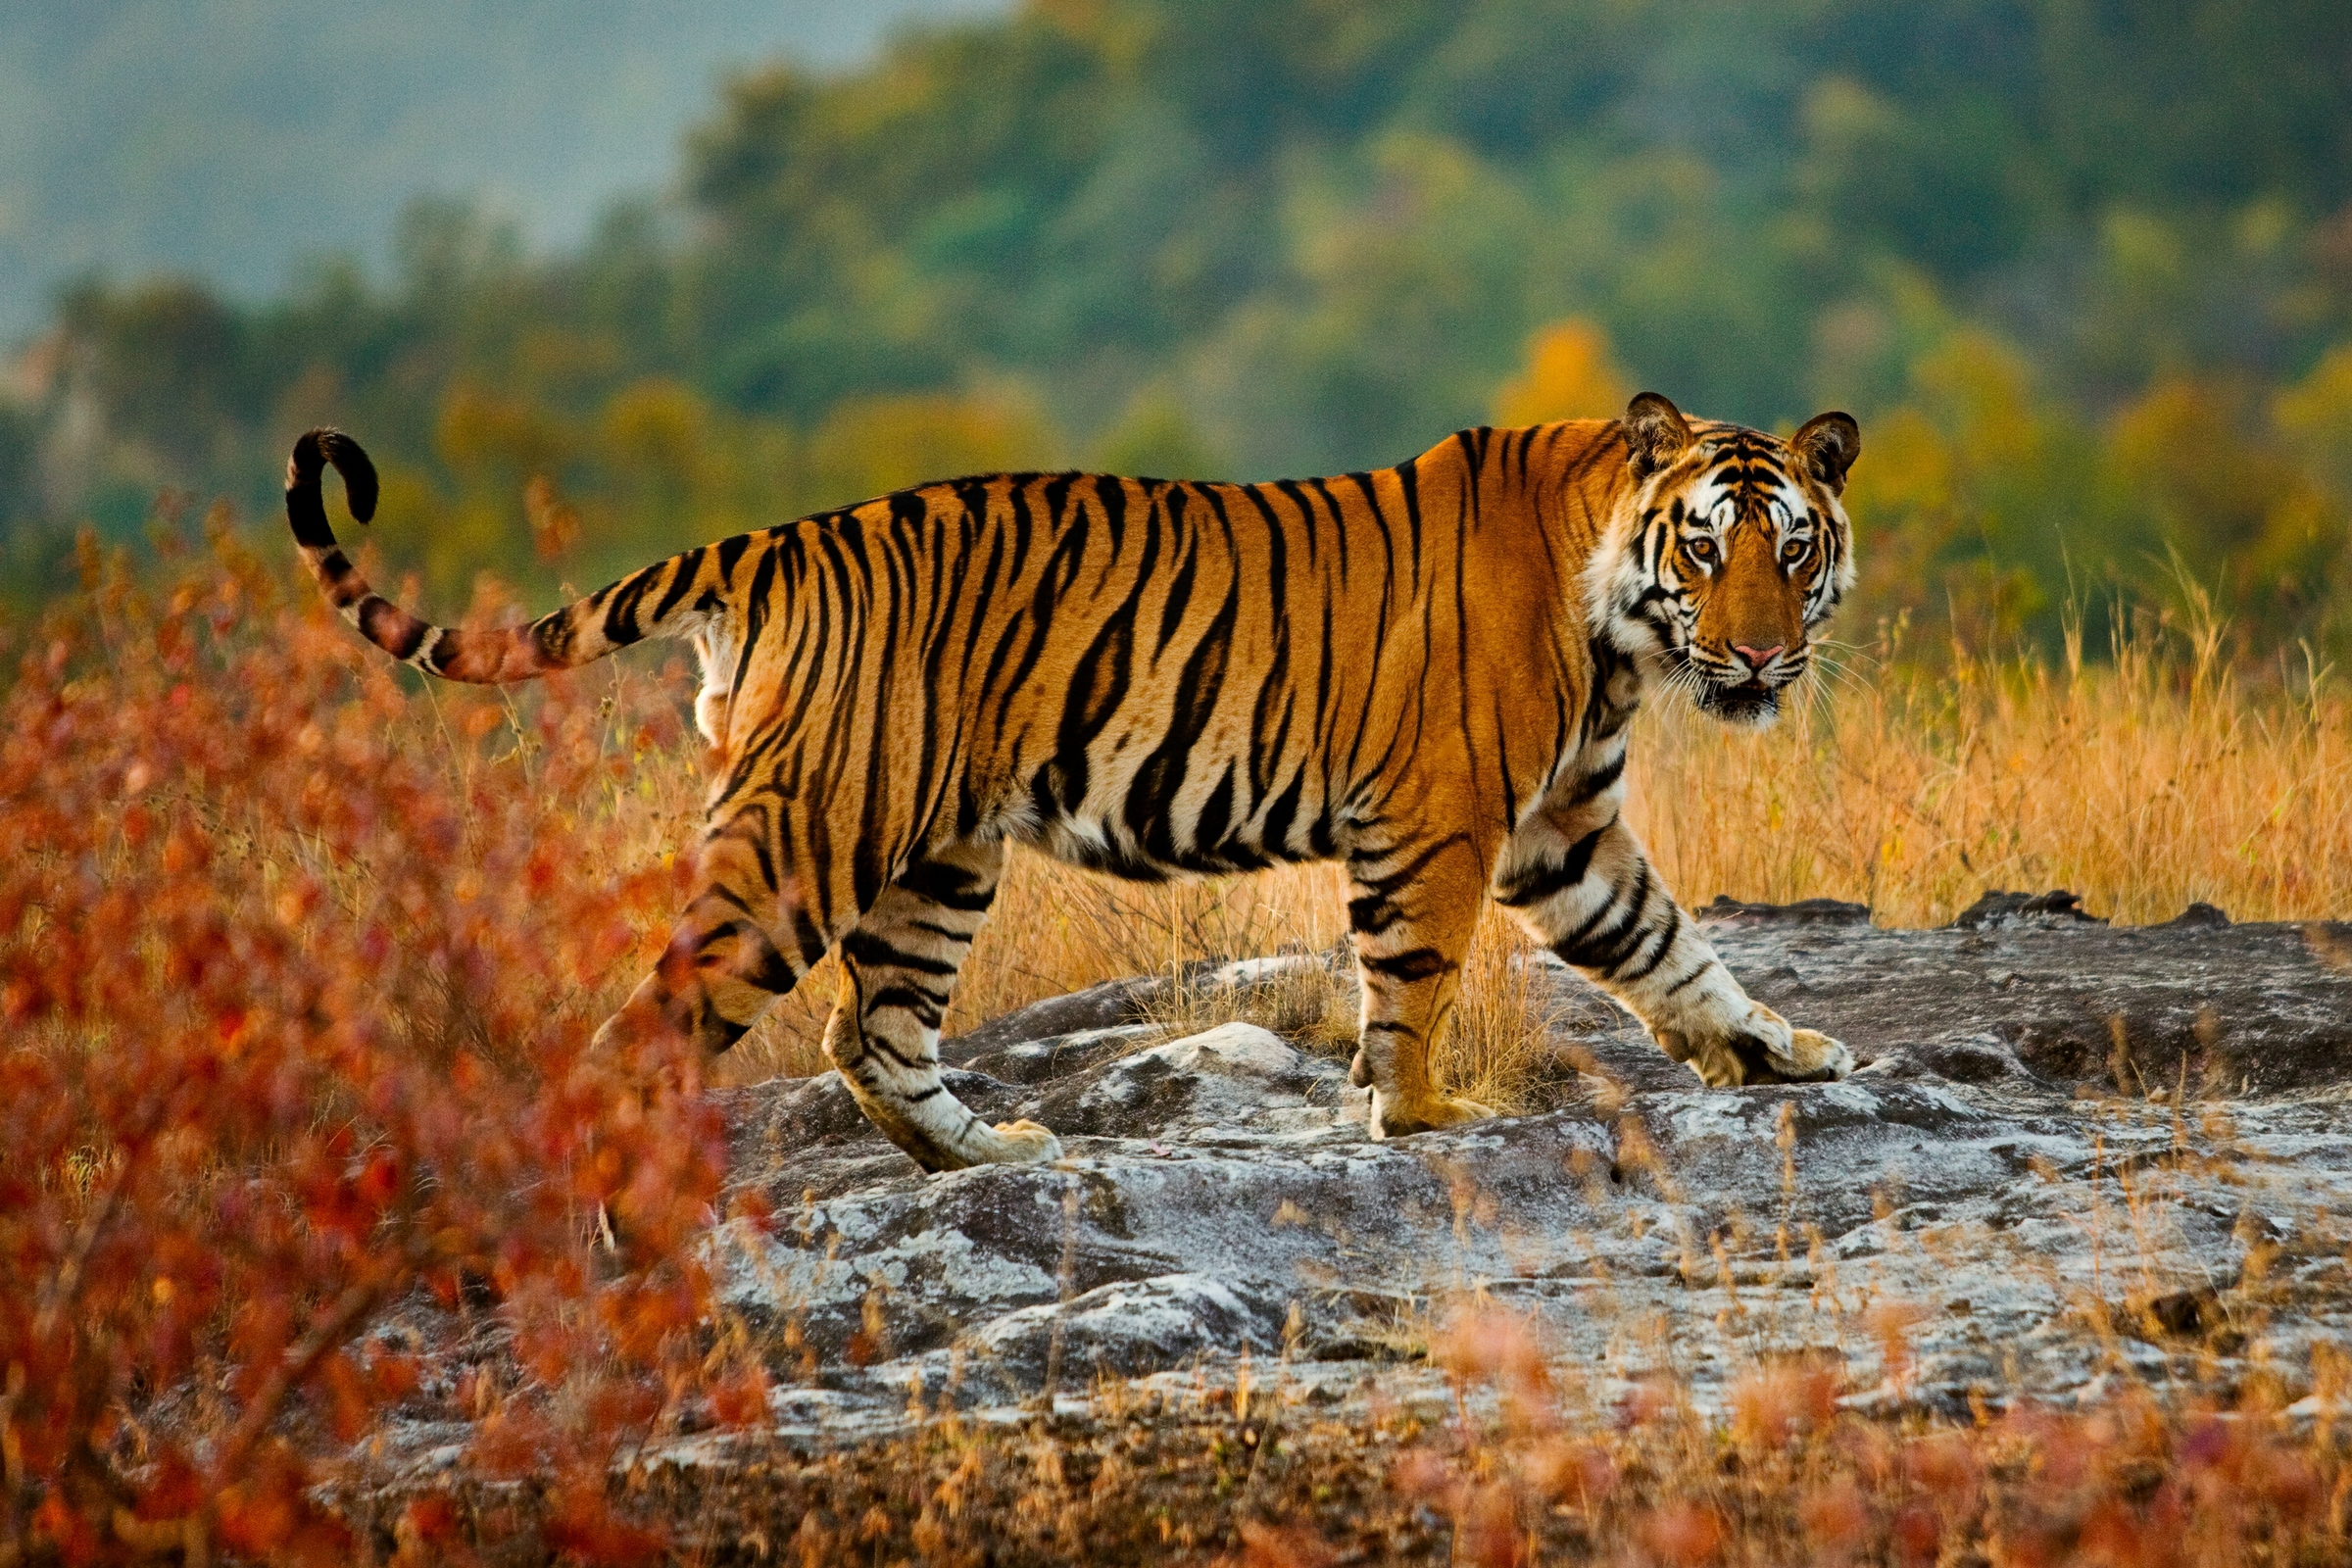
2085 273
237 139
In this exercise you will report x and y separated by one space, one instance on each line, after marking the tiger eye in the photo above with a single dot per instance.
1796 549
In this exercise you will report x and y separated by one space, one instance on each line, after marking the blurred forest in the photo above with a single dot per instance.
237 139
2083 267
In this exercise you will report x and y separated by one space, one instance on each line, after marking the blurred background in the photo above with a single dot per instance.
595 280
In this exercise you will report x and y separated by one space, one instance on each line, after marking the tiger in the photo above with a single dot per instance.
1424 673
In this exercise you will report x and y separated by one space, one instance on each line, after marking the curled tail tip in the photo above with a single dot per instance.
314 449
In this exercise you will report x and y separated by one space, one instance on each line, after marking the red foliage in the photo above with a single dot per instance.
299 965
1788 1474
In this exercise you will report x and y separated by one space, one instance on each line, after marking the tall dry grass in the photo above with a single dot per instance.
2157 776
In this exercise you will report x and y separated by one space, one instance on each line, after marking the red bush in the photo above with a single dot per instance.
299 963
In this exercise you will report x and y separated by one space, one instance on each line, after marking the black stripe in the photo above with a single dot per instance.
865 947
1690 979
1598 781
1612 945
553 635
1180 588
1216 815
1391 881
1550 881
689 566
343 584
1276 835
1372 914
730 551
926 1009
390 627
1641 972
1411 965
620 615
1574 941
949 885
1150 801
806 936
1097 685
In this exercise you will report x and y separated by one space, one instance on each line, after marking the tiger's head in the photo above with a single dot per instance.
1730 553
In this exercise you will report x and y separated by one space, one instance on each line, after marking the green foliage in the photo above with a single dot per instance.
2085 274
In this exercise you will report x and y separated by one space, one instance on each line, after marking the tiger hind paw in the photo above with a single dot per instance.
1390 1119
1022 1143
1008 1143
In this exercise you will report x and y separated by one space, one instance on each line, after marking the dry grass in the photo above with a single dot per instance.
1267 1481
2160 776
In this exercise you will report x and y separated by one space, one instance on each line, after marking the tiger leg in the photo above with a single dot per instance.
897 969
724 964
1589 893
1411 909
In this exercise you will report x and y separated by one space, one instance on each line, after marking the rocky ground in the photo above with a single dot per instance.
2071 1153
2075 1157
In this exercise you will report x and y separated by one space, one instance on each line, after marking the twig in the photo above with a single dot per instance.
328 1330
1063 1281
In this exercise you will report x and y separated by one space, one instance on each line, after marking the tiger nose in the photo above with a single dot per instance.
1759 657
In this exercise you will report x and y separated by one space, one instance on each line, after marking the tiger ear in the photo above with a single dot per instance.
1655 434
1829 443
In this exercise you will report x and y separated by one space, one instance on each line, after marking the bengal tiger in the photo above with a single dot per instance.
1424 672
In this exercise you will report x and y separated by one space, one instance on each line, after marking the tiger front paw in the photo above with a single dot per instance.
1765 1050
1815 1059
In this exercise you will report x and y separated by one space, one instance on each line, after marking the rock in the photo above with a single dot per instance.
1034 1062
1727 910
1105 1007
1980 1058
2080 1005
1232 1077
1997 910
1998 1171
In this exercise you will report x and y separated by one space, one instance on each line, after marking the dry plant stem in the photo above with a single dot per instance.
66 1283
332 1327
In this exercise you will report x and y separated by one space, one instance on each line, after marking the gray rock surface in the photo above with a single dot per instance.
1996 1183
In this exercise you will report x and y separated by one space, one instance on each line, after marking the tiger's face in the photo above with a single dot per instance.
1733 552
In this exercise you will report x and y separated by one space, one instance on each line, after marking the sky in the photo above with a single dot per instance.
234 140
